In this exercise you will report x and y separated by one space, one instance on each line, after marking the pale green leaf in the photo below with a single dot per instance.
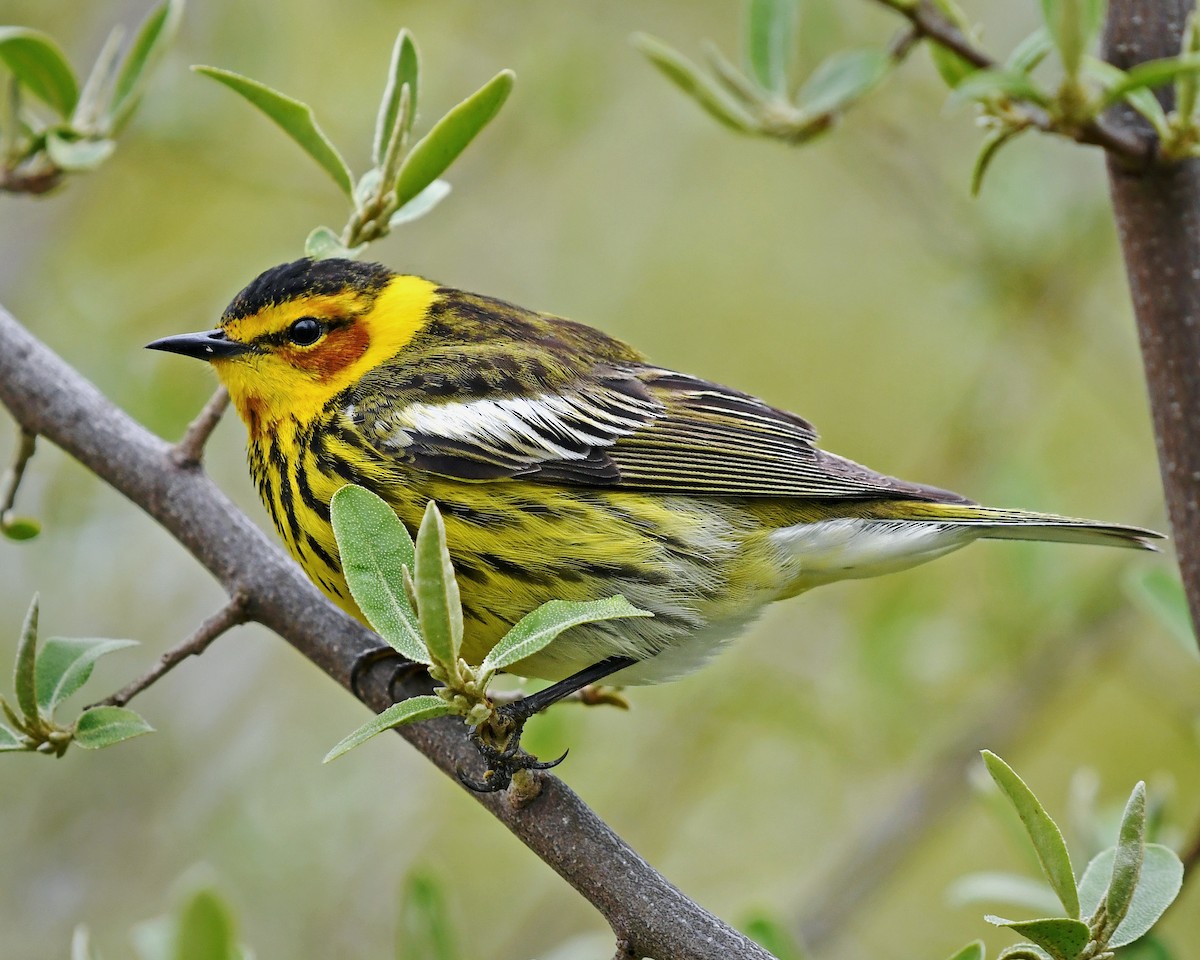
972 951
64 665
1158 885
1043 832
40 66
773 935
204 930
1031 51
76 154
987 153
375 548
1073 25
153 37
20 528
434 152
411 710
1062 938
770 41
841 79
1131 851
323 243
985 85
403 70
81 944
9 741
440 607
696 84
25 668
1149 75
732 79
421 204
293 117
536 630
104 726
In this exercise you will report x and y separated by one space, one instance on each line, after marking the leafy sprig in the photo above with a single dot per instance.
43 678
36 150
1122 893
404 181
409 595
1011 96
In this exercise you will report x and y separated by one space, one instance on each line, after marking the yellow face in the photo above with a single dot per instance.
289 357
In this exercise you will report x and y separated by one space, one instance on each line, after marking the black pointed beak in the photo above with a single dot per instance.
210 345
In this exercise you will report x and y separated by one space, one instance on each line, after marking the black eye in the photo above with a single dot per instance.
305 332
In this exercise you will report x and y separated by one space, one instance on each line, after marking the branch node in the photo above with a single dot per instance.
189 451
11 482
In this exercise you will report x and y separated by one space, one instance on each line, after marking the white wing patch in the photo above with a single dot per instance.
543 427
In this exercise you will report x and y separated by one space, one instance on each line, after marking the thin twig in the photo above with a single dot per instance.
1135 151
190 449
234 613
26 444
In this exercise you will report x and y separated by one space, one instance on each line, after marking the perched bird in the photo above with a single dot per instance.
565 464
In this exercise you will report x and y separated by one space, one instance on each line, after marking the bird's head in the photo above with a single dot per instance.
302 332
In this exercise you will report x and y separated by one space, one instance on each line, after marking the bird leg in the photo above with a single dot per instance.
365 661
508 721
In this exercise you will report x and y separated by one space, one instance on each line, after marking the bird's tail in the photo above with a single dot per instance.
1001 524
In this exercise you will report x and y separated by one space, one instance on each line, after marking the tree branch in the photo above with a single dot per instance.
190 449
1158 220
647 914
1124 141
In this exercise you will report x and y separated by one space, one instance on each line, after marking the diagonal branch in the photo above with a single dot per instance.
648 915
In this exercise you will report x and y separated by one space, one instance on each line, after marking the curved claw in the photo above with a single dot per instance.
365 661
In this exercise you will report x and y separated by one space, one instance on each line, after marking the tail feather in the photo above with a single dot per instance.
1001 524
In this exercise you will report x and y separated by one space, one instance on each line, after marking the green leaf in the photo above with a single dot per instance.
153 37
25 669
64 665
1063 939
985 85
1127 863
40 66
425 929
536 630
407 711
987 153
104 726
293 117
1073 25
421 204
9 741
1047 839
75 154
1161 593
1011 889
440 606
375 548
323 243
205 930
841 79
1029 52
81 944
1151 74
732 79
434 152
696 84
21 528
770 41
972 951
403 69
1158 886
950 66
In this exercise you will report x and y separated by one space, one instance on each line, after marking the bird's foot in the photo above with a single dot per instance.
362 665
498 740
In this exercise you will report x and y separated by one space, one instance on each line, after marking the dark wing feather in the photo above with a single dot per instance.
632 426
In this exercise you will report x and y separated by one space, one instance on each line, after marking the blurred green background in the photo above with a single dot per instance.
982 345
